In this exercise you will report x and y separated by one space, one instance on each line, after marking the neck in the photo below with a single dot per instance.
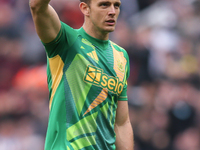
95 32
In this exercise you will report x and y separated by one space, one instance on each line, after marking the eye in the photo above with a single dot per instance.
104 4
117 5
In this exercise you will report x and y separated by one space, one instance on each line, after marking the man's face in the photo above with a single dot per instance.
104 14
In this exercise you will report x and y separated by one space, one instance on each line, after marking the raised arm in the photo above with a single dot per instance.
123 128
46 20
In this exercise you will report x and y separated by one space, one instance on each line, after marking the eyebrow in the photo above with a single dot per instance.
103 2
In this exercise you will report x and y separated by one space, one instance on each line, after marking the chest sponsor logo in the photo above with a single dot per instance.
97 77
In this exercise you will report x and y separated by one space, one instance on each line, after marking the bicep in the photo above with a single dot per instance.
47 23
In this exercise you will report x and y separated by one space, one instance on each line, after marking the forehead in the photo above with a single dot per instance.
110 1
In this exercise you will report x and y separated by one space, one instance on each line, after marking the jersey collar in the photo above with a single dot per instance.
102 44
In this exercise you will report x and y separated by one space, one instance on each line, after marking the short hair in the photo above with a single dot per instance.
86 1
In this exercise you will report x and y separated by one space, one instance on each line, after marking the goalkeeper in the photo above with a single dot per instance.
87 78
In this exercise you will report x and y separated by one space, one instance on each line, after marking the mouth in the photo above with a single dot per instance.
110 22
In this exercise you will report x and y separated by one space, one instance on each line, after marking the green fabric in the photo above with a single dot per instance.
84 101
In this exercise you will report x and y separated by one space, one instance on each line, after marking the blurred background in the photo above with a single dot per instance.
162 38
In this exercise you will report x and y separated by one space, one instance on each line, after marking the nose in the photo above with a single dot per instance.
112 10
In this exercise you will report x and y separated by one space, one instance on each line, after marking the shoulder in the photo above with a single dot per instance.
68 29
119 48
68 34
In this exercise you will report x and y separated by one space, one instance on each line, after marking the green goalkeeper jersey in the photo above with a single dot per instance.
86 79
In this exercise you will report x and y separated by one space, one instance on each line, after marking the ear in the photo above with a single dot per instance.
84 8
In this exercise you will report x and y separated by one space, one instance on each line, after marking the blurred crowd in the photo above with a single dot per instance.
162 38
